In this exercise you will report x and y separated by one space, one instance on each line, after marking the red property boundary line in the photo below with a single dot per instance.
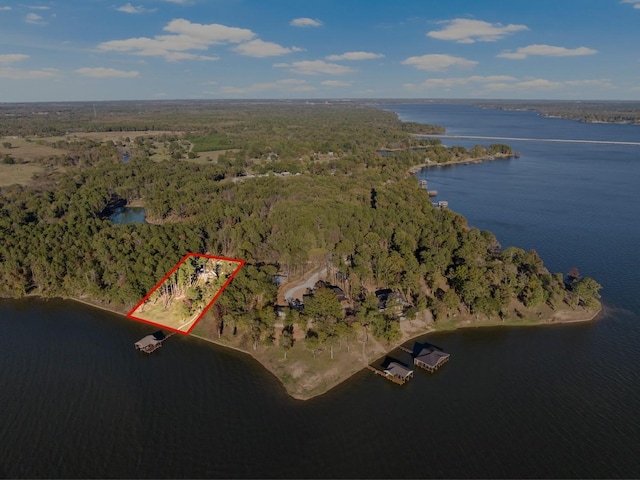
205 309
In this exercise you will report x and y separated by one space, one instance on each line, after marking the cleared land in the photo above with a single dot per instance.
28 149
20 174
180 300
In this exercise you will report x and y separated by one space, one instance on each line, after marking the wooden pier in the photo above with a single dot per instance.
152 342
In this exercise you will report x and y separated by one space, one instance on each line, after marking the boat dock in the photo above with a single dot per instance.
395 372
152 342
424 355
427 357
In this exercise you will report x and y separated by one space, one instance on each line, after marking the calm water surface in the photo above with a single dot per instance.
125 215
561 401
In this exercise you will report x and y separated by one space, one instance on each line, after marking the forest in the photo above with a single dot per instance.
584 111
303 187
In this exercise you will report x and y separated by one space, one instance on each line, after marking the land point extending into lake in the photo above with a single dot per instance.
364 259
307 374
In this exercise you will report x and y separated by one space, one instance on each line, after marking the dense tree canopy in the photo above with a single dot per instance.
351 209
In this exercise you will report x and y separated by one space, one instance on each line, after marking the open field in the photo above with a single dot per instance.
18 174
213 155
27 149
104 136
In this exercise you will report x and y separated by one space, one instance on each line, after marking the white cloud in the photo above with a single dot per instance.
34 19
335 83
179 2
547 51
438 62
315 67
260 48
128 8
305 22
456 81
5 9
184 36
291 81
598 82
635 3
285 85
102 72
544 84
355 56
537 83
38 7
13 57
505 83
209 33
464 30
19 74
177 56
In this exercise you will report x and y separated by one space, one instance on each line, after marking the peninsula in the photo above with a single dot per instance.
346 257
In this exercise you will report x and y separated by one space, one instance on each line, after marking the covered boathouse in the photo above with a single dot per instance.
430 358
399 372
151 342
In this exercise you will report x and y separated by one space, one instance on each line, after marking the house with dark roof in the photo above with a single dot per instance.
387 298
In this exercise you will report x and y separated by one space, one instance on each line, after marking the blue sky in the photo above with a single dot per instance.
65 50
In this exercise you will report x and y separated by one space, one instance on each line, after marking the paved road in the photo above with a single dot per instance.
297 290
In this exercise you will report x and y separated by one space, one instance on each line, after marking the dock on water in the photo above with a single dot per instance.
152 342
394 371
427 357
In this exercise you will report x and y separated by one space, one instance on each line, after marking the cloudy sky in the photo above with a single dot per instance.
62 50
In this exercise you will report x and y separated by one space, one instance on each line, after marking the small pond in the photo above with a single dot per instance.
125 215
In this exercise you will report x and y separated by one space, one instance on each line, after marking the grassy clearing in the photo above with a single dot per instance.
27 150
20 174
105 136
212 155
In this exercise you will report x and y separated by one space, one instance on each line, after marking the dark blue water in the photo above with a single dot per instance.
576 204
125 215
541 402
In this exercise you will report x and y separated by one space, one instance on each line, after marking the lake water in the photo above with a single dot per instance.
125 215
560 401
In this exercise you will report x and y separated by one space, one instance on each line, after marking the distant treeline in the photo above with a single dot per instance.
592 112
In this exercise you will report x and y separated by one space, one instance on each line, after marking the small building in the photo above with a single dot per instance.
150 343
430 359
396 370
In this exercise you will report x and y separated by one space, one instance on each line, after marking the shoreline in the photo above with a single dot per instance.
575 317
483 324
499 156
